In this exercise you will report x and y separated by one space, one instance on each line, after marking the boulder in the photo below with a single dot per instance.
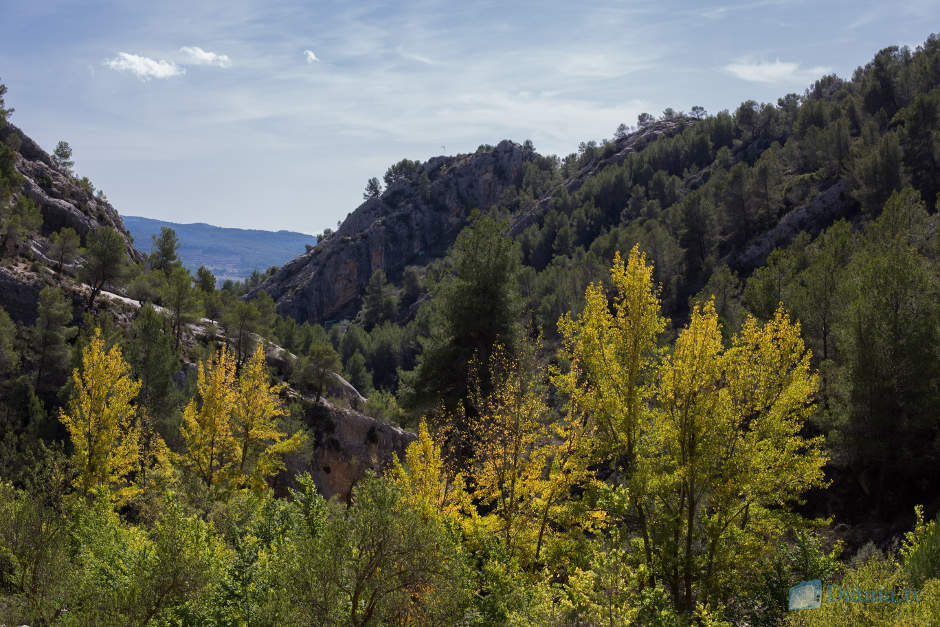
346 446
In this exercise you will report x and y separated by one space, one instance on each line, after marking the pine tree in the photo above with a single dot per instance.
163 252
63 247
150 353
49 337
104 260
358 375
19 220
9 364
179 297
205 280
373 189
475 307
889 333
9 357
378 303
313 370
242 321
62 156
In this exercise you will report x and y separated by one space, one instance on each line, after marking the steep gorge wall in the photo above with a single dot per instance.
405 225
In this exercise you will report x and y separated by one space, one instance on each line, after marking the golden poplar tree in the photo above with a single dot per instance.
612 352
230 432
425 480
724 449
510 434
614 348
526 462
705 439
102 421
259 445
207 424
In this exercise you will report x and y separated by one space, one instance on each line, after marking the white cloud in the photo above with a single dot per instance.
197 56
776 72
144 68
310 56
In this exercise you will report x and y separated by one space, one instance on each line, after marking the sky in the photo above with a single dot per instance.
273 114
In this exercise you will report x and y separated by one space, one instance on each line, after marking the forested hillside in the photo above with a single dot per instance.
658 381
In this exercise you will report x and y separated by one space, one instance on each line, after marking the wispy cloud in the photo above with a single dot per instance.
144 68
197 56
310 56
601 65
411 56
715 12
775 72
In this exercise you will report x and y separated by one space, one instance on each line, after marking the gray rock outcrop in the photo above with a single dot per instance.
346 446
820 212
19 294
61 199
405 225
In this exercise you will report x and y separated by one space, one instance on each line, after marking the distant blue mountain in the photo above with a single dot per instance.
228 253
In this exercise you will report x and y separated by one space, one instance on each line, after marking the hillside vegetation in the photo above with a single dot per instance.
656 382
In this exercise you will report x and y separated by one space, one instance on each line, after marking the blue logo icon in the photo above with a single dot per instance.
806 595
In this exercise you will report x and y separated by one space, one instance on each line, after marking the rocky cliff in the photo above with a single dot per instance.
63 201
409 223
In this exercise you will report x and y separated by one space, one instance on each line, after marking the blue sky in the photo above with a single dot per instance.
274 114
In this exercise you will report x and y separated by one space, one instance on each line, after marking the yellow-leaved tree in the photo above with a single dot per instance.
612 353
230 428
705 439
207 423
102 421
526 461
510 435
425 479
259 444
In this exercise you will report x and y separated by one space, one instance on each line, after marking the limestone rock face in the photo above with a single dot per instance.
824 209
61 199
410 223
347 445
19 294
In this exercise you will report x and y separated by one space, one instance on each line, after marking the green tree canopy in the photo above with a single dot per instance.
63 247
163 253
105 256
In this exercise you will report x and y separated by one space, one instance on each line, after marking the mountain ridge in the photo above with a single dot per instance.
417 217
229 252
